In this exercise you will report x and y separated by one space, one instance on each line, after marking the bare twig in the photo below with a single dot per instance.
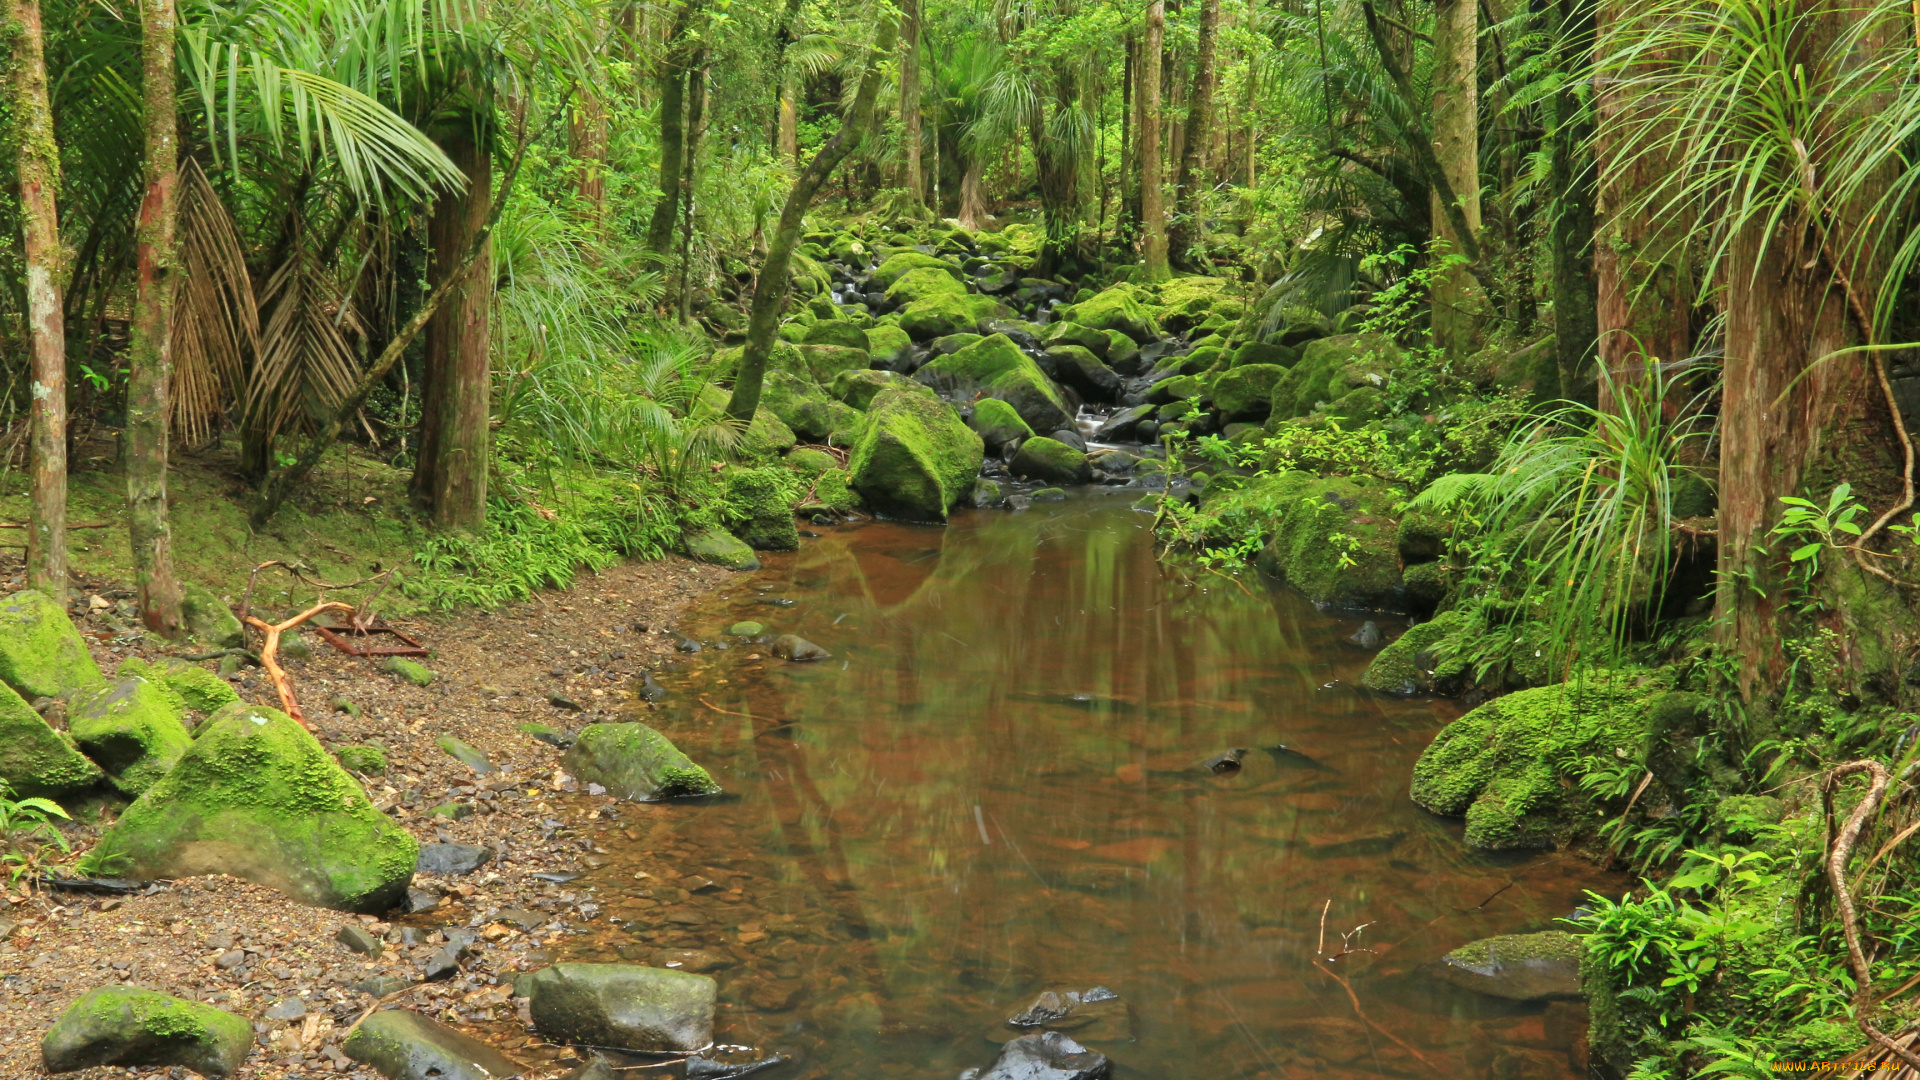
1638 791
1837 857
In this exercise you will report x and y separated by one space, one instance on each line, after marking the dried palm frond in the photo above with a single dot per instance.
216 324
306 364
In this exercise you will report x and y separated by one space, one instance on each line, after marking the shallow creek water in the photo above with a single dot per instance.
995 788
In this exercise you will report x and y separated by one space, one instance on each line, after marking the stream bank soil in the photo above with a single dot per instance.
563 659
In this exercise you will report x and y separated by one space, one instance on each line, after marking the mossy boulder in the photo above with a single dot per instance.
125 1025
1176 388
1066 333
784 355
362 758
995 367
757 510
1330 368
1518 967
837 332
35 760
1418 661
902 263
859 388
1427 586
1263 352
633 761
1122 354
1500 765
946 313
953 343
888 347
716 546
832 492
624 1006
807 410
809 460
41 654
766 435
1082 370
1115 309
1188 301
1203 357
1051 461
826 361
1246 392
923 283
208 618
917 458
193 687
1332 537
997 423
411 671
132 729
401 1044
258 797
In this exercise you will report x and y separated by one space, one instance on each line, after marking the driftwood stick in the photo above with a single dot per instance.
270 660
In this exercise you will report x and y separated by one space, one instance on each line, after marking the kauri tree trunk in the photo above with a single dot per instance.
1153 209
450 472
150 354
1186 229
1570 232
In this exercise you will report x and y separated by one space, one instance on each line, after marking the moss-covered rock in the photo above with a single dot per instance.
1330 368
132 729
997 423
192 686
946 313
888 346
1500 765
953 343
401 1044
916 458
837 332
1122 354
826 361
766 435
923 283
362 758
757 510
1176 388
256 796
807 410
1082 370
1518 967
1116 308
1418 662
1427 586
1332 536
784 356
1264 352
633 761
1050 461
859 388
1188 301
1067 333
411 671
208 618
35 760
995 366
125 1025
832 492
1246 392
1202 357
625 1006
902 263
41 654
719 547
810 461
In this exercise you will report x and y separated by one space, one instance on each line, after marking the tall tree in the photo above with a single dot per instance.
770 290
1186 228
911 178
1153 212
37 162
673 103
696 128
1570 230
1458 303
149 353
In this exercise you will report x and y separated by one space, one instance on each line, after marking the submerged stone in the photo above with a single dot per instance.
403 1045
633 761
1049 1055
795 647
41 654
123 1025
1519 967
623 1006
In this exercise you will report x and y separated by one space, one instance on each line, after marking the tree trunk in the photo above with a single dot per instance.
910 99
770 290
973 202
38 166
1570 189
450 471
1153 213
1640 258
1057 169
1199 137
696 127
786 120
149 354
672 82
589 144
789 121
1127 221
1253 83
1458 302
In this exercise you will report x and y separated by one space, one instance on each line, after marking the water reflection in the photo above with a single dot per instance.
999 785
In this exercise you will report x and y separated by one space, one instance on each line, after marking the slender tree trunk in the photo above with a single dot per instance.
38 165
1576 324
1153 213
1641 264
789 121
1252 88
1127 225
672 82
786 120
910 99
149 355
450 471
1057 168
1199 137
770 290
973 201
1458 303
589 146
696 127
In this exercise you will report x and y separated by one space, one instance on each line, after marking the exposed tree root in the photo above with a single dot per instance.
1837 857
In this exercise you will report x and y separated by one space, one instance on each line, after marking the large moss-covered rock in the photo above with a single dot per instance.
1500 765
132 728
1332 536
785 355
924 283
1115 309
1082 370
837 332
1188 301
1049 460
1067 333
807 410
832 492
997 423
889 347
208 618
766 435
125 1025
401 1044
902 263
859 388
946 313
719 547
1265 352
193 687
1420 661
633 761
917 458
758 511
995 366
826 361
258 797
41 654
1331 368
624 1006
35 760
1246 392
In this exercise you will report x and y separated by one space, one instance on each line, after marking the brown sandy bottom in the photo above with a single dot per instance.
246 948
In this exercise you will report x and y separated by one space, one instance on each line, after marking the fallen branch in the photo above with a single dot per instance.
281 684
95 525
1368 1020
1843 842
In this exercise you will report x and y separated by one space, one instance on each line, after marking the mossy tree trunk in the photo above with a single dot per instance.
1570 231
1458 301
911 178
1186 229
150 354
673 82
37 163
1153 210
696 127
770 289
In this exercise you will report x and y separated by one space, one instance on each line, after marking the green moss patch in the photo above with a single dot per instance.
133 729
633 761
35 760
917 458
995 367
124 1025
41 654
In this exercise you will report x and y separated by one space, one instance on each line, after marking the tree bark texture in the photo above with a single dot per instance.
588 136
1153 212
1570 236
1058 171
450 470
1458 301
149 354
911 179
37 162
1186 229
672 82
770 289
696 127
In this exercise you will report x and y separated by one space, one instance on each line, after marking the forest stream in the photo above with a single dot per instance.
1008 779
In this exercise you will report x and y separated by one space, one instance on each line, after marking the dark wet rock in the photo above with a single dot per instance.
987 494
797 648
286 1009
359 941
1049 495
1050 460
685 644
412 936
1226 761
403 1045
523 918
564 703
727 1062
452 858
623 1006
445 962
633 761
382 985
1081 369
1049 1055
1288 757
650 690
596 1068
1519 967
1070 437
1019 502
547 733
466 754
122 1025
1121 424
1368 636
418 900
